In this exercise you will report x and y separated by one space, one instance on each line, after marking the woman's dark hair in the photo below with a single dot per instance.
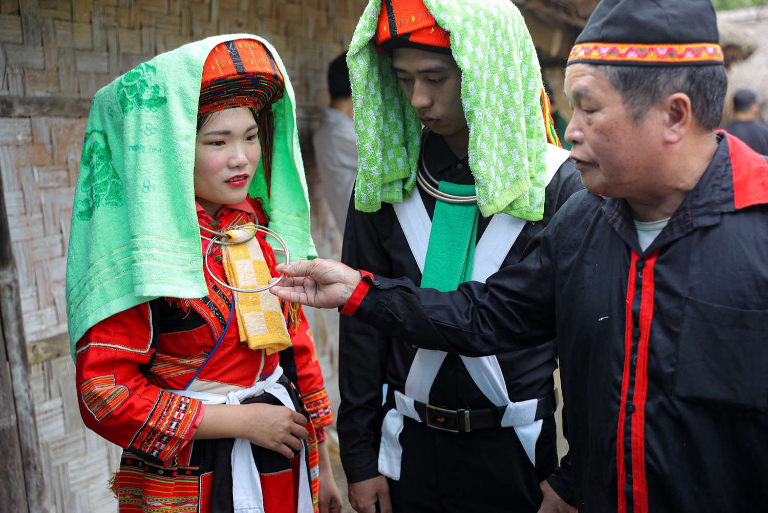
265 120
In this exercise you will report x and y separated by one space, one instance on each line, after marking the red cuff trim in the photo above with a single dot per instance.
358 295
319 407
196 423
168 428
322 436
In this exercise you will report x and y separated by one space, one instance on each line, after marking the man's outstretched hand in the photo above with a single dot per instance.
319 283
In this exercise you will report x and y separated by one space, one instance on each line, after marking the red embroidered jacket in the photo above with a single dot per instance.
122 372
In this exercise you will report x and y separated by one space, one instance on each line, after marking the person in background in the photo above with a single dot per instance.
744 124
335 144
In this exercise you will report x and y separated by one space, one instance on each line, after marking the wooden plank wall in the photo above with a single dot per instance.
54 55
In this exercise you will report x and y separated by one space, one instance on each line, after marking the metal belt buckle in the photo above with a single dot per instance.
442 419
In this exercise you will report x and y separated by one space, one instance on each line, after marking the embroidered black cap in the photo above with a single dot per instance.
650 32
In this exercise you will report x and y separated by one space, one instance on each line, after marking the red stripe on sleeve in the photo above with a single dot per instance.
358 295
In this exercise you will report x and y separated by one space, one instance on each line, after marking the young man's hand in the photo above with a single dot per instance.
364 496
552 503
318 283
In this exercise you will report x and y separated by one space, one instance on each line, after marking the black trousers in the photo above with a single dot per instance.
484 471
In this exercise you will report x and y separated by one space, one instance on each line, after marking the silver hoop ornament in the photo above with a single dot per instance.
218 238
431 189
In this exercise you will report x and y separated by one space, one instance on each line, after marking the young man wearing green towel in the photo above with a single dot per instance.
422 430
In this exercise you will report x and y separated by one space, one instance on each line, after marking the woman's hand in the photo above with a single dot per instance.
552 503
276 428
330 498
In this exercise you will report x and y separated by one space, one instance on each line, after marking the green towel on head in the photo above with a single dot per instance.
501 88
135 233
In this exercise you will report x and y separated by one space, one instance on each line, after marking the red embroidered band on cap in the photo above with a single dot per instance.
646 54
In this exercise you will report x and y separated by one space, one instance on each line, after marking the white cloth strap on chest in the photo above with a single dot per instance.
247 494
490 252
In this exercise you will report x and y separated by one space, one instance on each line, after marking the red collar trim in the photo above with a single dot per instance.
750 174
244 205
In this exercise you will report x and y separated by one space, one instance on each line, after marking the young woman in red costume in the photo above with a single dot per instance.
170 380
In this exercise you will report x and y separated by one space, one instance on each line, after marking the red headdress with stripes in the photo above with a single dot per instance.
242 73
239 73
409 23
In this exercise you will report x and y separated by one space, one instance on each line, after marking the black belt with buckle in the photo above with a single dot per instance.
464 421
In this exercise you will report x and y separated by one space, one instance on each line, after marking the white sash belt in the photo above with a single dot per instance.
246 485
490 252
486 373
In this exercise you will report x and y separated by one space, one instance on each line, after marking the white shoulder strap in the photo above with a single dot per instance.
416 224
556 156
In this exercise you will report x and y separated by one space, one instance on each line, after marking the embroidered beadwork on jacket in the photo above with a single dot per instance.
101 396
166 428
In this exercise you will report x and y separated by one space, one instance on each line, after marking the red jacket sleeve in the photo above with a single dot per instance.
310 376
116 400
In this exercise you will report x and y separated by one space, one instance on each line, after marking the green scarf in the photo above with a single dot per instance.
135 233
501 87
451 250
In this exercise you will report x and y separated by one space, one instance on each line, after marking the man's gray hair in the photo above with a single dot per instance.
644 86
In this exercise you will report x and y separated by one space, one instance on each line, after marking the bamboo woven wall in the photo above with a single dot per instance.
54 55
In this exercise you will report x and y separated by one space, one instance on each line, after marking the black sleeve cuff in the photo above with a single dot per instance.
561 482
360 467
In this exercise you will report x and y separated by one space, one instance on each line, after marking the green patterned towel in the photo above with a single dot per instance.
134 233
501 91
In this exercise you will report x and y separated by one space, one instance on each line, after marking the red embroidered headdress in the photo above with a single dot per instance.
239 73
408 23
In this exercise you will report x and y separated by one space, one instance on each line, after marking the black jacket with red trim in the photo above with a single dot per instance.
663 352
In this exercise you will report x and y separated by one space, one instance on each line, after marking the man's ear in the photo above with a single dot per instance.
678 117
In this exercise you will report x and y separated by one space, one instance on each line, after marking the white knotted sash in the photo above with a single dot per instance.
490 252
246 485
